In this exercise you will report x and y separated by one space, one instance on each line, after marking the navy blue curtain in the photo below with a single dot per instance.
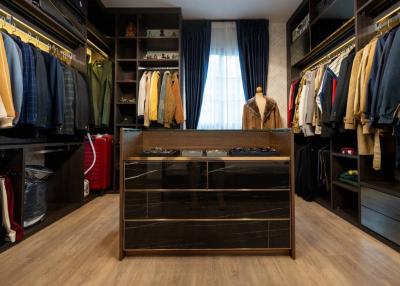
196 39
253 41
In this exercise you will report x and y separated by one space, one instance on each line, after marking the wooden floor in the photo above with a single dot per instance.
81 249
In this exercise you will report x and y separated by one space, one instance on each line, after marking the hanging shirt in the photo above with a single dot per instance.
15 68
7 110
153 102
142 94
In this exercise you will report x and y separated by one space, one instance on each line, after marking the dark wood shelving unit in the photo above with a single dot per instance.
64 155
130 62
371 204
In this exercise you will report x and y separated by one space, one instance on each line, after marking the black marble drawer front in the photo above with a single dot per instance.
381 224
381 202
248 175
279 234
204 235
165 175
207 204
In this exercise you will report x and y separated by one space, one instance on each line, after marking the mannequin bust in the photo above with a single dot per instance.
261 102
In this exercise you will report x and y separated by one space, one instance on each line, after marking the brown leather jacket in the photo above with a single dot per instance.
252 116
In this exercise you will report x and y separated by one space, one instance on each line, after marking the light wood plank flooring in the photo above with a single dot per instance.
81 249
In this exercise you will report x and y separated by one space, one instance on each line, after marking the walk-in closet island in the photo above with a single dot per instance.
185 191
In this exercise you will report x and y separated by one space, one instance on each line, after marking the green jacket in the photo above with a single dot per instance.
100 75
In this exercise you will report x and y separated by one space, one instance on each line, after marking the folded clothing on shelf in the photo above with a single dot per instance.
160 152
217 153
349 177
35 195
192 153
348 151
254 152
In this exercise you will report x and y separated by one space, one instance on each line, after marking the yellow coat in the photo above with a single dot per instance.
7 112
153 102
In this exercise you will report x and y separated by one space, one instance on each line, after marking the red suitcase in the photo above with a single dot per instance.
100 175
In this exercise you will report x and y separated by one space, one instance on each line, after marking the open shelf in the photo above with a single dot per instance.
126 81
53 214
340 155
373 8
348 214
345 186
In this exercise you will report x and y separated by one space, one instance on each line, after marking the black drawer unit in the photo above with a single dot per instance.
207 205
380 212
206 235
248 175
165 175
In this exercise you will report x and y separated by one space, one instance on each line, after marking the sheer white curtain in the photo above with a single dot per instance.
223 98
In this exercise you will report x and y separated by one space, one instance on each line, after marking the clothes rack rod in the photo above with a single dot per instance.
389 15
333 53
389 23
49 151
97 49
158 68
18 27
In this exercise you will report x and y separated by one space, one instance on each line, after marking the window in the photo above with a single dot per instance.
223 98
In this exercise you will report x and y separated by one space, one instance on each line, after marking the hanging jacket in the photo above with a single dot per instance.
376 97
29 100
317 108
69 101
389 91
161 103
326 94
372 82
15 69
295 125
294 87
349 118
170 104
142 94
101 90
176 90
147 100
55 105
153 102
309 105
81 101
8 112
43 89
339 106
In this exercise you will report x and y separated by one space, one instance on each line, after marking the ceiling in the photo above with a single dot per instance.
278 10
